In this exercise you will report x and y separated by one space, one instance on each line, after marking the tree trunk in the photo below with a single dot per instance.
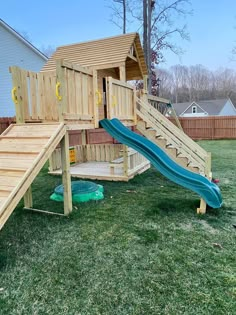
124 15
149 53
145 29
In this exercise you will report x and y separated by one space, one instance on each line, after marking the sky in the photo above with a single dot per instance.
212 27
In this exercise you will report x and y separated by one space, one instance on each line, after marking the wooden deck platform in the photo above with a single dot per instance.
101 171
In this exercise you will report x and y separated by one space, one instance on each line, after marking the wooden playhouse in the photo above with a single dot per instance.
80 85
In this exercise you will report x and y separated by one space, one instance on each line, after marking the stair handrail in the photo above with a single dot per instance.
173 130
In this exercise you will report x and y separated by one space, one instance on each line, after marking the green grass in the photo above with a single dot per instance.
141 250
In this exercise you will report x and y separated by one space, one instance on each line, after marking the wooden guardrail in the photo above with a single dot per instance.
76 94
34 95
87 153
69 94
121 100
173 135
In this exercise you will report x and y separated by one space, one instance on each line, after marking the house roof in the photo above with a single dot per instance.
212 107
102 53
22 39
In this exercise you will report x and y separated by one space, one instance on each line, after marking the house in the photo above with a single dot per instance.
15 51
220 107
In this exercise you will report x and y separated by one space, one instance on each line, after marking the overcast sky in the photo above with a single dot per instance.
212 27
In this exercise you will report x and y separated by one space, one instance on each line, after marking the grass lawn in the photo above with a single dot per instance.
141 250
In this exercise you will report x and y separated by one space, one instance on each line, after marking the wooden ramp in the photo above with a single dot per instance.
24 149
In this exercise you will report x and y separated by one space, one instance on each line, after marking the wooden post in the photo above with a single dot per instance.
208 172
202 208
66 179
135 106
145 82
28 198
109 97
122 71
125 161
61 89
17 93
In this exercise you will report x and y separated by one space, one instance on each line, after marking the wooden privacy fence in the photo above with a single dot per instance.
214 127
121 100
5 122
68 94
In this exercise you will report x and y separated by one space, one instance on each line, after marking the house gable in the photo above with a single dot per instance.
16 51
194 110
228 109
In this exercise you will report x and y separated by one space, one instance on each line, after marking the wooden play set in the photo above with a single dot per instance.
78 86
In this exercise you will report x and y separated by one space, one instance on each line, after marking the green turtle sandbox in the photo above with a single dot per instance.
82 191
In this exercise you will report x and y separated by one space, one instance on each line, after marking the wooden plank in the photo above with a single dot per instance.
95 107
74 116
76 67
23 141
17 84
4 194
33 94
123 84
18 148
78 92
61 79
18 155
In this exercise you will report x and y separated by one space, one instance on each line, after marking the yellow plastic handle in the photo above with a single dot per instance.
99 97
14 96
114 101
59 97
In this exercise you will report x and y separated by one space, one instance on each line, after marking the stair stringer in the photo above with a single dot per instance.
181 148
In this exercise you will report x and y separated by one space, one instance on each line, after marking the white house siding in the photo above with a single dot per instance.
14 52
228 109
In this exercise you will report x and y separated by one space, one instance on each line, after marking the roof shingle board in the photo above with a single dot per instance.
98 52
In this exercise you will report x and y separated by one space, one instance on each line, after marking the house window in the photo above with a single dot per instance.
194 109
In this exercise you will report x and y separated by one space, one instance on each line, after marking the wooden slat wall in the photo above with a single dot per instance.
214 127
87 153
37 92
79 87
120 100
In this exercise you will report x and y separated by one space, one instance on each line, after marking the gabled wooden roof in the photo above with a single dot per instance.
104 53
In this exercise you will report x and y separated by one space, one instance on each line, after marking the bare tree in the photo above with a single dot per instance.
48 50
196 83
119 8
161 24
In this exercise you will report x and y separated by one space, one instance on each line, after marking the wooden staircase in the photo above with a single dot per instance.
24 149
182 149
